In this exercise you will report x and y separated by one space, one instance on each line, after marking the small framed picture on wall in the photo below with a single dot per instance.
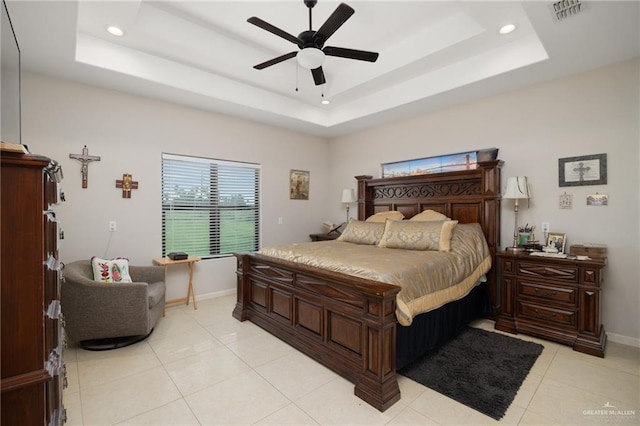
299 185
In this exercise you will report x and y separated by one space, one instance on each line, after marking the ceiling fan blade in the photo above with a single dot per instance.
276 60
335 21
318 76
274 30
341 52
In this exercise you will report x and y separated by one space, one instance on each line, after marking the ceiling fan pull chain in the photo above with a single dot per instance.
297 68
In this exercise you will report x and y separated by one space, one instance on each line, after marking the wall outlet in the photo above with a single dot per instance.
279 221
112 226
545 227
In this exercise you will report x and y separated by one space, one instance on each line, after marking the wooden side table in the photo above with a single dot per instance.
324 237
190 261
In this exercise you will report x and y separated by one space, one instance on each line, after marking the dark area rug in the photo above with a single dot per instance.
478 368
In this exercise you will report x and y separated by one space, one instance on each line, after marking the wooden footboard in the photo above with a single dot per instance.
346 323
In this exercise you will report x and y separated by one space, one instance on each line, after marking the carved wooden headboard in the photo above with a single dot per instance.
467 196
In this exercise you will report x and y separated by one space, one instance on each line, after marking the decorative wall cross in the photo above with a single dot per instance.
581 169
127 184
85 159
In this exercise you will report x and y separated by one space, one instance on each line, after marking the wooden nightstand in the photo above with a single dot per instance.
552 298
324 237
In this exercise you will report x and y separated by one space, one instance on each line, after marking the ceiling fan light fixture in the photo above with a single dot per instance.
325 102
310 58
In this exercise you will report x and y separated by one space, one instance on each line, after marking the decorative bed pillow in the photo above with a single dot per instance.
383 216
417 235
111 270
429 216
358 232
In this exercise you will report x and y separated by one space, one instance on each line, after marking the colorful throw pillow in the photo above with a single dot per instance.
417 235
111 270
383 216
429 216
362 232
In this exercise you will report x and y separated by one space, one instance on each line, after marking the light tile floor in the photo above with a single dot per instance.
203 367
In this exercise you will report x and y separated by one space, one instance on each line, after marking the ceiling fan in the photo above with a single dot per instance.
311 43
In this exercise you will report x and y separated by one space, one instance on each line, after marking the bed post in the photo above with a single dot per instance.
365 203
243 288
491 196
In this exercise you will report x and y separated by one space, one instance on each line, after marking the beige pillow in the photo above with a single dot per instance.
429 216
418 235
362 232
383 216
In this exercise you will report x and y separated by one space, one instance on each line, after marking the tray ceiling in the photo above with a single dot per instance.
432 53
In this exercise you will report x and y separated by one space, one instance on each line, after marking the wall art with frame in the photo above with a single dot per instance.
299 185
583 170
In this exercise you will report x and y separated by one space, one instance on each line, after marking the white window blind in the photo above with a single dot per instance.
209 207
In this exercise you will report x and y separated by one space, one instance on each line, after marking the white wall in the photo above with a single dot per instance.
589 113
130 133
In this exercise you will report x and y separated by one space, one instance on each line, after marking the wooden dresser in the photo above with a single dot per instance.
552 298
32 366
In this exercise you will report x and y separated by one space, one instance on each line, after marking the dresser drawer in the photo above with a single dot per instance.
567 295
549 315
568 274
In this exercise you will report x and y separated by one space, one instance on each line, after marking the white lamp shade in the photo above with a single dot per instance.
348 196
517 188
310 58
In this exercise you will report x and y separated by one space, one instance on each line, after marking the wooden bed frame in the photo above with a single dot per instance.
348 323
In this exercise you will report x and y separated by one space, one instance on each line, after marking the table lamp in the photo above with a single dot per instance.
348 198
517 189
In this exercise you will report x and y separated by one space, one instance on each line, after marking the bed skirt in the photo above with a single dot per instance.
429 330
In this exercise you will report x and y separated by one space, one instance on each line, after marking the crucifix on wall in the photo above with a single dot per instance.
127 184
85 159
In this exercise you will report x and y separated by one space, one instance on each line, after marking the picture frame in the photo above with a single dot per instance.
299 181
438 164
557 240
598 199
583 170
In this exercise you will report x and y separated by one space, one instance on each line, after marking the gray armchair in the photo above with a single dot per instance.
105 316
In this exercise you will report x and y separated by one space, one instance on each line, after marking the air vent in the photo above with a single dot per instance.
566 8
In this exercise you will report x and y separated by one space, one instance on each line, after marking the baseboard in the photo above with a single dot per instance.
215 294
623 340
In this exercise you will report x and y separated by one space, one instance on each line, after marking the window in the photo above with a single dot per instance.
209 207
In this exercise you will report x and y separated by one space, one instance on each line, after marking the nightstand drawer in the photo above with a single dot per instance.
561 317
546 292
541 270
508 266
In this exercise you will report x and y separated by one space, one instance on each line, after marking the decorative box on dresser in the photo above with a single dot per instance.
32 366
553 298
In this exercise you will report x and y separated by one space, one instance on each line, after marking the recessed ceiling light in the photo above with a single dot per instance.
116 31
506 29
325 102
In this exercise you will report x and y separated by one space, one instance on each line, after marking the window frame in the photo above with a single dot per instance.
214 207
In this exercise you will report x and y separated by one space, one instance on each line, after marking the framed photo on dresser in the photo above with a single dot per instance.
557 240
